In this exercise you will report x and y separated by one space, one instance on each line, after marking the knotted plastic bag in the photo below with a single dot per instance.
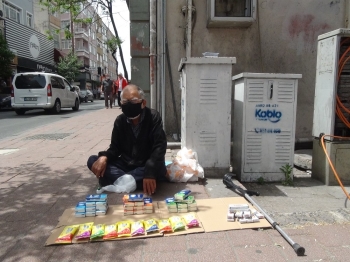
185 167
124 184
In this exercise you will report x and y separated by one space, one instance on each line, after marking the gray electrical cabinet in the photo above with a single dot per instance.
264 125
332 84
206 111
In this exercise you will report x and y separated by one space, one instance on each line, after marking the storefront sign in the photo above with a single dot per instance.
34 46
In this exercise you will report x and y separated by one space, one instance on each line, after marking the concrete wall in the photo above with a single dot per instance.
283 39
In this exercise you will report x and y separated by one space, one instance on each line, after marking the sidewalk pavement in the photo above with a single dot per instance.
43 172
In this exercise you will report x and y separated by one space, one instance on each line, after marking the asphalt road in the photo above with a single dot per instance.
11 124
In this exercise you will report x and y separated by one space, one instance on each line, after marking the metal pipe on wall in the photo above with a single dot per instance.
152 53
158 58
189 28
163 62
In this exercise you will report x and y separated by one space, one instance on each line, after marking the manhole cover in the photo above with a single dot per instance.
54 136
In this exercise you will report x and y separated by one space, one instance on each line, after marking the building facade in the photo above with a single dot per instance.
33 50
270 36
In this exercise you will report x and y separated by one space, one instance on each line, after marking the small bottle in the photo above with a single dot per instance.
99 190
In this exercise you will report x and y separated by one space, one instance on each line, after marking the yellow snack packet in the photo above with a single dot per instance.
110 232
176 223
67 234
164 226
97 231
151 225
84 231
124 229
137 228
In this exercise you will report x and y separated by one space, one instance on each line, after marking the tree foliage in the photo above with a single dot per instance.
112 45
69 66
6 57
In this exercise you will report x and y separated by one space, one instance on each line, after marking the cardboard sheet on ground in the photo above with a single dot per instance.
211 215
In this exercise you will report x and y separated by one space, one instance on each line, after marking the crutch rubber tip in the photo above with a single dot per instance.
298 249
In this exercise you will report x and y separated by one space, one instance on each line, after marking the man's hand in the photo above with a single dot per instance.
99 167
149 186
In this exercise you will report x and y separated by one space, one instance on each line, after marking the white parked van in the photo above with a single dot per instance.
34 90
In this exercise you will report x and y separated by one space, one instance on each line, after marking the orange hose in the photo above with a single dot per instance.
331 164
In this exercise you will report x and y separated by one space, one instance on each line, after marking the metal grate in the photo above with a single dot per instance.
53 136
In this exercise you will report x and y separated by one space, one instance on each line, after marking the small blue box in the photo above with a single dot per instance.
96 198
135 197
80 207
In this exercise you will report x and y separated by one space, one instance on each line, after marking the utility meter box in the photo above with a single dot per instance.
206 110
263 125
331 95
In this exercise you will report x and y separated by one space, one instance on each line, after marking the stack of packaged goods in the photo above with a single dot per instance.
182 202
94 205
135 204
243 214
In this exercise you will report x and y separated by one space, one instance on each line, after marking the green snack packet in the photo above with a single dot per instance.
98 231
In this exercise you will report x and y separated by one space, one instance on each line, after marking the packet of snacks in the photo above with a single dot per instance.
110 232
176 223
164 226
151 225
67 234
97 231
124 229
137 228
190 220
84 231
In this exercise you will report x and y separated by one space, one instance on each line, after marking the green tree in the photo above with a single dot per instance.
113 45
68 67
6 57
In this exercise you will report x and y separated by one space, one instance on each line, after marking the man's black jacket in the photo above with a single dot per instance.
147 150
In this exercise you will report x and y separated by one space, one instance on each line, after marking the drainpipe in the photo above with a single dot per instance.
158 57
163 61
189 28
152 53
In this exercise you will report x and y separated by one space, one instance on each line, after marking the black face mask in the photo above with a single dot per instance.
131 110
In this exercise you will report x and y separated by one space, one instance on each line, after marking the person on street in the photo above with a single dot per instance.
138 145
107 85
120 83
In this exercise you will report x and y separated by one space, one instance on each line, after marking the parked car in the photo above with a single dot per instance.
5 102
86 95
35 90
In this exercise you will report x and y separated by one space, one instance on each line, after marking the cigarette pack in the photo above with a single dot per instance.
259 215
182 194
90 209
239 214
238 207
139 204
182 210
135 197
90 204
181 205
148 207
148 211
129 204
247 214
128 212
80 207
193 204
101 208
90 214
138 212
96 198
230 217
79 214
147 200
172 210
101 213
138 209
128 208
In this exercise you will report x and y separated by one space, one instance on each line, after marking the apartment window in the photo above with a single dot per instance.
231 13
56 40
65 24
12 12
66 44
29 20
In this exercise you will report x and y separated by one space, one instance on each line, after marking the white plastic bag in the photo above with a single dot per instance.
124 184
185 167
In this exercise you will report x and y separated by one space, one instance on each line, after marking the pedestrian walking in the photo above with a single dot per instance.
107 86
121 83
